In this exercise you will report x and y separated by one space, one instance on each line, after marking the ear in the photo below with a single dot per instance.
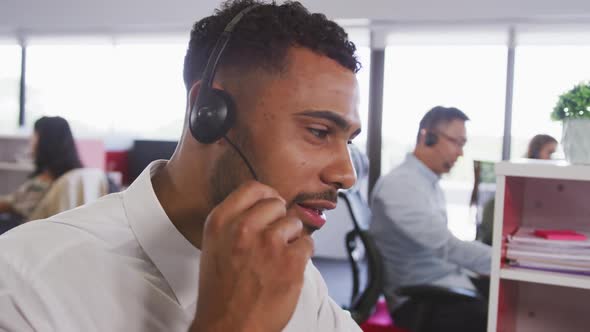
193 93
423 132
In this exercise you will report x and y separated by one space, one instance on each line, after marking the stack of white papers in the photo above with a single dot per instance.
526 250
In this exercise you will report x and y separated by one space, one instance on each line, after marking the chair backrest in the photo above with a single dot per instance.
74 188
484 186
362 301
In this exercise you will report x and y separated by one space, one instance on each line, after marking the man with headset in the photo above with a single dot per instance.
217 238
409 226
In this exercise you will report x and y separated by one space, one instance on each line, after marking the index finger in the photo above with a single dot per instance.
243 198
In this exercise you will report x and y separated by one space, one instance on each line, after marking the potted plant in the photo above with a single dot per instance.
573 109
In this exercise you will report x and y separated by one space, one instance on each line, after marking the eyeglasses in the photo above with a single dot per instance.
459 142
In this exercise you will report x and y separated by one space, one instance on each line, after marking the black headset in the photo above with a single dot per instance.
430 139
214 112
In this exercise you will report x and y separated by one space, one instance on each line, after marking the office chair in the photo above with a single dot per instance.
362 303
74 188
482 199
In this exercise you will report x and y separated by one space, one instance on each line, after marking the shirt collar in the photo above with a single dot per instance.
422 168
172 254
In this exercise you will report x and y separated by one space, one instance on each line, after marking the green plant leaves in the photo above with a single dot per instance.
574 104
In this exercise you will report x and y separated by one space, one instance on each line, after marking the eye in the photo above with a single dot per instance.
319 133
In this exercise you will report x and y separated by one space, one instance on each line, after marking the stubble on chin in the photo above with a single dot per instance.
226 178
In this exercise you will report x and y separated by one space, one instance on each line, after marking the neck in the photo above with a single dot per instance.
46 176
184 205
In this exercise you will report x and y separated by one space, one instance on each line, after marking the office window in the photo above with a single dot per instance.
360 36
363 77
542 73
10 66
74 81
150 92
130 89
470 77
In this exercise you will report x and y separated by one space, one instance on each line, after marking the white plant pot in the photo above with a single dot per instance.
576 140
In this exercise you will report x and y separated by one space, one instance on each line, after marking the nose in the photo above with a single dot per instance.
340 172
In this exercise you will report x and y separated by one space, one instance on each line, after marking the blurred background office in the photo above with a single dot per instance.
113 69
53 153
58 181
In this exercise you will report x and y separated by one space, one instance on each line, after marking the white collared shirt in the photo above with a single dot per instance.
119 264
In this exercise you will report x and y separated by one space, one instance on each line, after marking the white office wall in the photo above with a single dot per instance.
26 17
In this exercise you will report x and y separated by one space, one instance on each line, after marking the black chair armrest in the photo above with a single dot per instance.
437 293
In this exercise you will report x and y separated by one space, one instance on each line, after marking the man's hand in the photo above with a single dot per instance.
252 264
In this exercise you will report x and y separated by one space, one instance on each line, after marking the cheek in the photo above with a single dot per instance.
281 152
288 167
289 172
546 154
448 151
288 162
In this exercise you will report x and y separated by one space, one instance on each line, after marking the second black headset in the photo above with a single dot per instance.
214 111
430 138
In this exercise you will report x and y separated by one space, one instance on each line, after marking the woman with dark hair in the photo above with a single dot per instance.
541 147
54 152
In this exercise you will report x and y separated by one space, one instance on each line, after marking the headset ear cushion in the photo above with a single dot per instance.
430 139
212 116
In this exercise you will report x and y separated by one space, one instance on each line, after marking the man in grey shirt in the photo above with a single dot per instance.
410 226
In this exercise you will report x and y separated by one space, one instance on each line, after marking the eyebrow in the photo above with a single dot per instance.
330 116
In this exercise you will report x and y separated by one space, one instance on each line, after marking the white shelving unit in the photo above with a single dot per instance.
545 277
539 194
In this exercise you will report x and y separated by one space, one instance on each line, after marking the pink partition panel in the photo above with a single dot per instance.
507 304
513 205
92 152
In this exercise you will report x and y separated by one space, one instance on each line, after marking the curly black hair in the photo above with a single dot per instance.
262 38
56 150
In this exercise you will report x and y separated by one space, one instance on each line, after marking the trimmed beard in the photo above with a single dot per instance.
230 169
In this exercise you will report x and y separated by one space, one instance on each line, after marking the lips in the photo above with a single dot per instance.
312 213
318 211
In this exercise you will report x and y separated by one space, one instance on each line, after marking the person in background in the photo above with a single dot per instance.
542 146
54 153
409 226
